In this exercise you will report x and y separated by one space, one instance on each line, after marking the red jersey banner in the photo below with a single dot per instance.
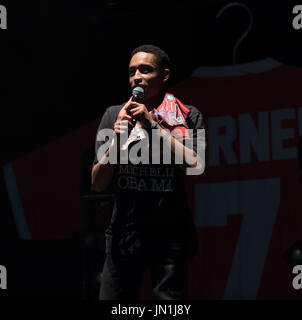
247 204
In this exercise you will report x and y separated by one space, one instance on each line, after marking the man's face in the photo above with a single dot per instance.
144 72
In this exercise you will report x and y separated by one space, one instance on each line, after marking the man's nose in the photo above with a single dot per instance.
137 77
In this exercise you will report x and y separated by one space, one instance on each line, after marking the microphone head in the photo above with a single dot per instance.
138 93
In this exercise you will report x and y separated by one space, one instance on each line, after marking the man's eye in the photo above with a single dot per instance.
145 69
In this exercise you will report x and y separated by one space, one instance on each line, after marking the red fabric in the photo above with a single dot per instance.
172 114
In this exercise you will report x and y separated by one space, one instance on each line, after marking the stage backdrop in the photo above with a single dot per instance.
246 205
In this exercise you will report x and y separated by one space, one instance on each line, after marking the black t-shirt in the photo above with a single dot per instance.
151 206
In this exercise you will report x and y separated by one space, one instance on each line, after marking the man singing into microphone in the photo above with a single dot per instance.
151 226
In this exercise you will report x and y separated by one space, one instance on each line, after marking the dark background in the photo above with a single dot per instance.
64 62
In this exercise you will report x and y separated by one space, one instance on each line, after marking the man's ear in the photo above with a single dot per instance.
166 74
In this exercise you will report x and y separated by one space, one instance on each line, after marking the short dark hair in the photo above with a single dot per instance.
162 58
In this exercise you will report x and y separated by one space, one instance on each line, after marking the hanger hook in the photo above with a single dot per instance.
233 4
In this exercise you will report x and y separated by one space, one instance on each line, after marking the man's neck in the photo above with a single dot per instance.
154 102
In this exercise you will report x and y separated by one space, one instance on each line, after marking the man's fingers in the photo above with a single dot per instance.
129 120
123 125
127 117
133 105
135 110
128 104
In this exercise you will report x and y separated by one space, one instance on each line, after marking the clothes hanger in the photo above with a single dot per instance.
249 11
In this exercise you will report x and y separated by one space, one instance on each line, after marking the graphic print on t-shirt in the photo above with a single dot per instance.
145 178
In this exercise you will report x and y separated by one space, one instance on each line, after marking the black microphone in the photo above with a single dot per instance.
137 93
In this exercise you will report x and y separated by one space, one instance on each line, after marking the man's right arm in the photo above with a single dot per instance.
102 172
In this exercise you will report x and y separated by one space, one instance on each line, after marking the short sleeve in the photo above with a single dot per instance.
197 130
